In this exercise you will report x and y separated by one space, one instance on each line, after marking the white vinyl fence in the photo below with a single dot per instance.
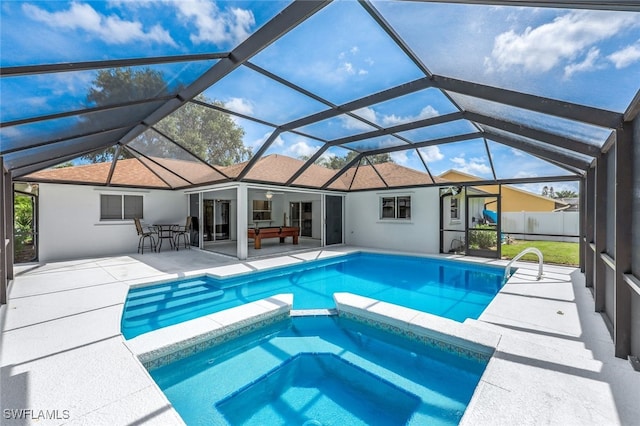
548 226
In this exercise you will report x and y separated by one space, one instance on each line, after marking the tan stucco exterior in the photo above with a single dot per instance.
513 199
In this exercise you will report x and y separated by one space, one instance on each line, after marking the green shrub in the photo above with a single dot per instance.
483 239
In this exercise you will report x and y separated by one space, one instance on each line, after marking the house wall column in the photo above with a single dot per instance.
242 241
323 216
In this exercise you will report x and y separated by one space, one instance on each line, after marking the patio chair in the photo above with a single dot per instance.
182 231
143 234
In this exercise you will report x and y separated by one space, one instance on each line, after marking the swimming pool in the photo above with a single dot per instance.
322 370
451 289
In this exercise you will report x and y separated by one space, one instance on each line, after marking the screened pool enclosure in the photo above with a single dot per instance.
343 96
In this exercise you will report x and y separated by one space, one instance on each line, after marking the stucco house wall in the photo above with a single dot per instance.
70 226
513 199
420 234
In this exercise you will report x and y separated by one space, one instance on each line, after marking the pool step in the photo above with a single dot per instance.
172 305
312 312
177 294
142 292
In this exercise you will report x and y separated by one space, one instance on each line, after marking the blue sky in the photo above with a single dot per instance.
588 57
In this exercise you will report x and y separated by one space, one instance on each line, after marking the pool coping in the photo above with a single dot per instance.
168 344
462 339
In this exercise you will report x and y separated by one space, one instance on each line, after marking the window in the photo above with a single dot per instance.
455 209
396 207
119 207
261 210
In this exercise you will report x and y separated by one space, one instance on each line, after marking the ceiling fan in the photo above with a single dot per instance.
269 194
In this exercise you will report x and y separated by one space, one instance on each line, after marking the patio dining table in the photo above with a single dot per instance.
165 232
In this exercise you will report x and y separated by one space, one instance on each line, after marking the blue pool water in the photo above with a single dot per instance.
451 289
321 370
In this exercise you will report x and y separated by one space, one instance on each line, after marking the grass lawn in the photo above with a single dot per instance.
553 251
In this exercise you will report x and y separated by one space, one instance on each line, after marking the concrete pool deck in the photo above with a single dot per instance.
62 355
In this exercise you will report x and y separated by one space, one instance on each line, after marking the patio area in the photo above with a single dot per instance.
270 247
61 347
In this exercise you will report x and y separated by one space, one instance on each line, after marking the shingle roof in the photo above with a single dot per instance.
273 168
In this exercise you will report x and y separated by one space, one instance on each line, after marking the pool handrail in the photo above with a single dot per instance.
519 255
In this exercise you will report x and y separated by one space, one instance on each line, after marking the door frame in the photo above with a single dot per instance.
494 254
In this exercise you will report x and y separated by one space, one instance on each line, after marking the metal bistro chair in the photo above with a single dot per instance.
182 231
144 234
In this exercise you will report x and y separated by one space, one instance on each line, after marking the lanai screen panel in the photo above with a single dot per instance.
469 157
439 131
336 80
510 163
166 154
580 56
50 131
263 98
377 143
589 134
340 54
51 93
418 105
338 127
93 31
325 167
550 151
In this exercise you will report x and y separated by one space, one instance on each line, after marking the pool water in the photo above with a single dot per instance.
451 289
322 370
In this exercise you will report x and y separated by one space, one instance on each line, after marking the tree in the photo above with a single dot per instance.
336 162
120 85
566 193
208 133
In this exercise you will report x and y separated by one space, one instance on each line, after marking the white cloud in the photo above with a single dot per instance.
431 153
367 113
258 142
327 156
110 29
564 39
588 64
627 56
473 166
301 149
351 123
239 105
399 157
214 25
525 174
241 23
349 67
392 120
517 152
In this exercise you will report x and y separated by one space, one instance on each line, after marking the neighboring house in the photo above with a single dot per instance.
513 199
